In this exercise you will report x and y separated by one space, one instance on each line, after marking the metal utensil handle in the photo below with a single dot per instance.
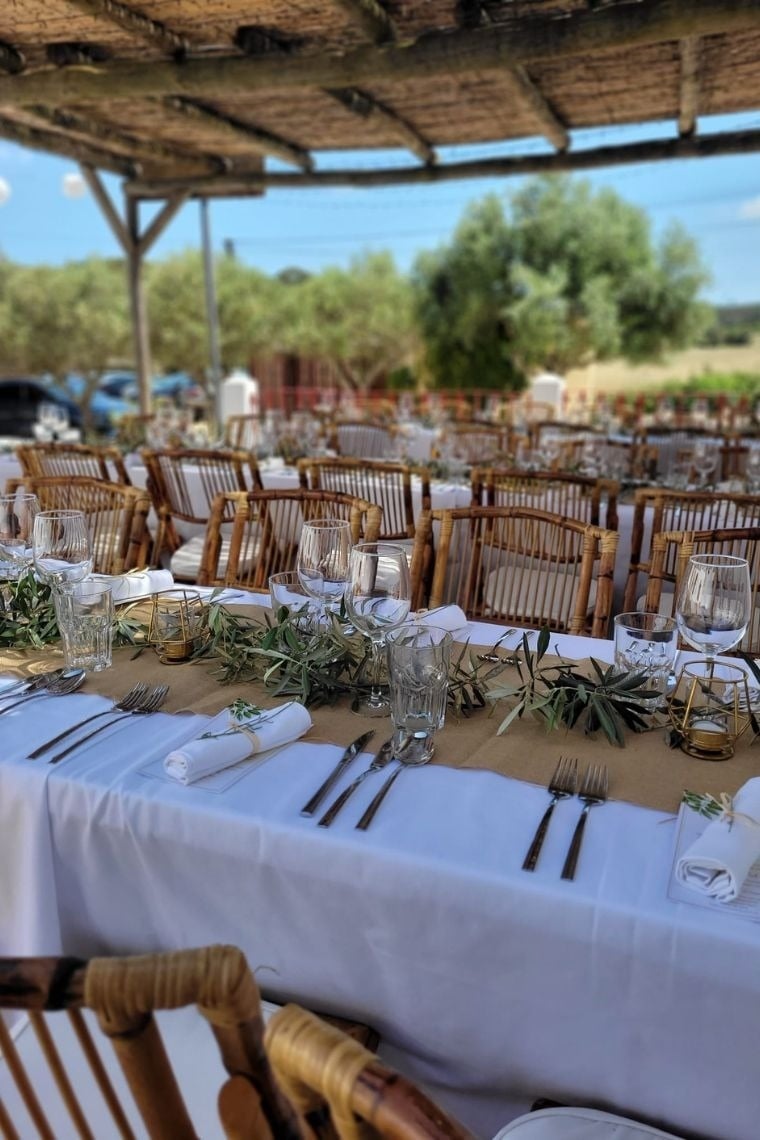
568 871
66 732
529 863
84 739
23 700
341 801
369 814
350 753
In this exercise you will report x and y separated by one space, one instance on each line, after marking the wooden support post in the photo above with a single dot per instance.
138 307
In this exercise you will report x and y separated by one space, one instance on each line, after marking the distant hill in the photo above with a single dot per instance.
731 315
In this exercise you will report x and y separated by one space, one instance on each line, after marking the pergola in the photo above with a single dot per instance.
195 98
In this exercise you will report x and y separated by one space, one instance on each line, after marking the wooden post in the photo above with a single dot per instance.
138 307
212 314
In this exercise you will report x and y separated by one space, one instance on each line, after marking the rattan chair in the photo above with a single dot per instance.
266 529
575 496
116 517
184 484
389 485
362 439
519 566
657 510
242 432
48 460
671 551
475 443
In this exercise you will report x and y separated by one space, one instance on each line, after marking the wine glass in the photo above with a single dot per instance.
378 598
714 603
323 559
61 548
705 461
17 515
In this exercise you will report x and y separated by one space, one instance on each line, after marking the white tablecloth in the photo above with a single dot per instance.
491 985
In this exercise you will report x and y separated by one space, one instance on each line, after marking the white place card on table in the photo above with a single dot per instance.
689 826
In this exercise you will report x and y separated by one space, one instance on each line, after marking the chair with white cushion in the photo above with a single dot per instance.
519 566
576 496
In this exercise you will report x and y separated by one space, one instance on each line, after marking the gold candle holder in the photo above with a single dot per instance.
710 708
178 624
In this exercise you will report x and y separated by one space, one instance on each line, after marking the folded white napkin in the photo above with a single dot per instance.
718 862
129 587
223 743
443 617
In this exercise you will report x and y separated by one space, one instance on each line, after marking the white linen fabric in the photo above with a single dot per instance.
228 739
443 617
578 1124
489 986
130 587
718 862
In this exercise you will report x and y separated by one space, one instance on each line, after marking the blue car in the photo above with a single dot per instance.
105 410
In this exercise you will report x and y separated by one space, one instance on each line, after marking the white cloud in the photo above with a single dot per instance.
750 209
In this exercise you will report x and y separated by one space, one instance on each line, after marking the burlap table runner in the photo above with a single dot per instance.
646 771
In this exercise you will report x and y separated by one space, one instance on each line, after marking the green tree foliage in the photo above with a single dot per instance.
563 276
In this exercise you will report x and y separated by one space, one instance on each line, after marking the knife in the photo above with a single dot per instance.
381 760
350 753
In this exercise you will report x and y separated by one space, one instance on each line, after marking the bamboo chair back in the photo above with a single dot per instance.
671 551
361 439
519 566
49 460
124 994
575 496
266 530
320 1068
117 518
184 484
476 443
389 485
657 510
242 432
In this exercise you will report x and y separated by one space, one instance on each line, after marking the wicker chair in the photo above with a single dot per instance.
242 432
362 439
519 566
575 496
671 551
116 516
266 529
387 484
48 460
682 511
183 484
476 443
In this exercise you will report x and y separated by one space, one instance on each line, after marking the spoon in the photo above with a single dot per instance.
29 684
68 681
408 757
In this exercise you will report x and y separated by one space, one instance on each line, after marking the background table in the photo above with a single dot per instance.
490 985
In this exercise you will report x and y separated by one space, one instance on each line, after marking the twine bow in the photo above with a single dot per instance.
728 814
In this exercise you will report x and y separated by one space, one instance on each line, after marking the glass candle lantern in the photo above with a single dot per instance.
178 624
710 708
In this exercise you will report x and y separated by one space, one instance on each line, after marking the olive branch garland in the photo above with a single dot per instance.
28 621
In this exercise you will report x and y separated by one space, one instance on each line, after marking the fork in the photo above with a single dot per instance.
593 791
124 704
150 703
58 687
383 758
561 785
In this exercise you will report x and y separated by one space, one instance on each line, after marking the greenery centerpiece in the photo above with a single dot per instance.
28 620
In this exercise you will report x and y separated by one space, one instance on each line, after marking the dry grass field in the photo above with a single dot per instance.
618 376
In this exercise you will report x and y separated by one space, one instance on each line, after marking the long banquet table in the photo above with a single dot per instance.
490 985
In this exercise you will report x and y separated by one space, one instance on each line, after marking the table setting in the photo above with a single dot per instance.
244 807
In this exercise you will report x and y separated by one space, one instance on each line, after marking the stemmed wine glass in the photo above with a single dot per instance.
17 515
714 603
323 559
705 461
378 598
62 549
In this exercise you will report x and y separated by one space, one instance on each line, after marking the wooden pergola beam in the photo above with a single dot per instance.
100 194
552 127
136 23
451 53
363 104
149 149
708 146
689 96
263 141
371 17
54 143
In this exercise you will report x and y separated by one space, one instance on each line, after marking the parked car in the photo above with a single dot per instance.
176 386
20 399
105 410
117 383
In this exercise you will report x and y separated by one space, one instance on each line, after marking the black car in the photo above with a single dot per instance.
20 398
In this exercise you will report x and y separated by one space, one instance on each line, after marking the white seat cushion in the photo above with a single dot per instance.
665 606
578 1124
185 563
533 594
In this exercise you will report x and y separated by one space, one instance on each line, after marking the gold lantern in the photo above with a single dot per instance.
178 624
710 708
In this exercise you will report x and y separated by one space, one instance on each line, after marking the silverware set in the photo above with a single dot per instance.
593 790
55 684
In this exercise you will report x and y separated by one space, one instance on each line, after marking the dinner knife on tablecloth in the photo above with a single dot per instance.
350 753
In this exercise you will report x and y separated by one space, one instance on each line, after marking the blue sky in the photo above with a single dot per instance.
717 200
